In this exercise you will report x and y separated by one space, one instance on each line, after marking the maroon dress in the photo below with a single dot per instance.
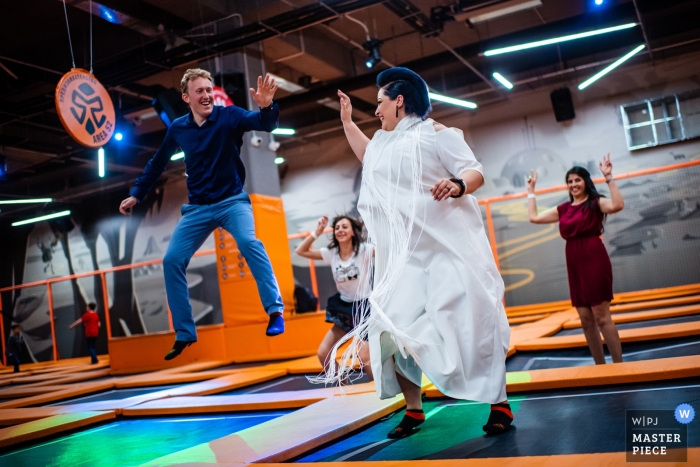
587 260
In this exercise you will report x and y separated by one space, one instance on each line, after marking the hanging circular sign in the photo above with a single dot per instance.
85 108
221 98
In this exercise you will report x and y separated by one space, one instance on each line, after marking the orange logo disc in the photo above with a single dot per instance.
85 108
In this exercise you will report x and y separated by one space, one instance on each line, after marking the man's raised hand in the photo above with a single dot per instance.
266 90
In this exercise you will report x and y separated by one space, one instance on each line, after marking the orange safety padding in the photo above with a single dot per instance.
137 354
665 331
240 300
644 315
195 367
50 426
286 437
26 414
159 379
62 378
22 391
302 336
655 304
622 297
599 375
307 365
74 390
527 319
243 402
569 460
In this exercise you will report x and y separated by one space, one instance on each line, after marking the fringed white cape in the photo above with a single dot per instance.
436 304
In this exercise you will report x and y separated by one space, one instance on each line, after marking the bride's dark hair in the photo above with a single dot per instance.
410 85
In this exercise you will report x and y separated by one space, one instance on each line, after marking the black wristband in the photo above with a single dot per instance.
269 107
462 187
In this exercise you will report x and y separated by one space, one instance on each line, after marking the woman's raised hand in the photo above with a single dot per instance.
322 223
345 107
531 181
606 166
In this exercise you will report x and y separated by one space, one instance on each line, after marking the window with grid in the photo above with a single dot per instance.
662 120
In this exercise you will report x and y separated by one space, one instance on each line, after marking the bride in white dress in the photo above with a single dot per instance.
436 305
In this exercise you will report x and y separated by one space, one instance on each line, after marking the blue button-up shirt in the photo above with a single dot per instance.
212 152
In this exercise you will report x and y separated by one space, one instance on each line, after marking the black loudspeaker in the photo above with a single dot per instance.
169 105
562 104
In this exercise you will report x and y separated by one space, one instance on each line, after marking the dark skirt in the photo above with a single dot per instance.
590 272
342 313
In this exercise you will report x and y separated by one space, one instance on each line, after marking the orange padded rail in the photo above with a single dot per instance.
74 390
570 460
647 315
286 437
655 304
665 331
23 391
50 426
527 319
136 354
242 402
598 375
158 379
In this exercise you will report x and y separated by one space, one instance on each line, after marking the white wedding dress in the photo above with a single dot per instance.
436 305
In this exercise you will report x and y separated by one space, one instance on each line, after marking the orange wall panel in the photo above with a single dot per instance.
301 338
136 354
240 301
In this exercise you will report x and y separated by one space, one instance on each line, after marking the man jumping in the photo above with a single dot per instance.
211 137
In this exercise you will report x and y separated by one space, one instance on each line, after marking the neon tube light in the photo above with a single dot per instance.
101 162
501 79
283 131
556 40
609 68
26 201
42 218
452 100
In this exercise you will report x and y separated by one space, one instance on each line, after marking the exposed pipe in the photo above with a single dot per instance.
364 26
353 43
468 65
644 32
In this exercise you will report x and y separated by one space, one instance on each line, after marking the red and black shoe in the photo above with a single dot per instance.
500 419
411 420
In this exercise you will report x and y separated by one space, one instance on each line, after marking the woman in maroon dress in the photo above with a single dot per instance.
587 261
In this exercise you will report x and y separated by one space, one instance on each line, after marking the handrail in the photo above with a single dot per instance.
552 189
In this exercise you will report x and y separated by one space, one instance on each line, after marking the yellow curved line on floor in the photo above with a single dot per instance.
528 245
513 241
530 277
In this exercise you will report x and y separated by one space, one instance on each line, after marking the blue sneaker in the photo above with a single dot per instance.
276 325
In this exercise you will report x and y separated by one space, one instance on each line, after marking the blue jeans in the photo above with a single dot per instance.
235 215
90 341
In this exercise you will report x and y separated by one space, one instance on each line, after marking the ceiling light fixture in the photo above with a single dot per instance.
283 131
556 40
452 100
375 57
610 67
496 11
501 79
101 162
41 218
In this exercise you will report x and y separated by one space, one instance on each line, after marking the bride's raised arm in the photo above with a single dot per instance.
358 141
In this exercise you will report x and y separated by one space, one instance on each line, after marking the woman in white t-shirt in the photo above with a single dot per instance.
350 259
